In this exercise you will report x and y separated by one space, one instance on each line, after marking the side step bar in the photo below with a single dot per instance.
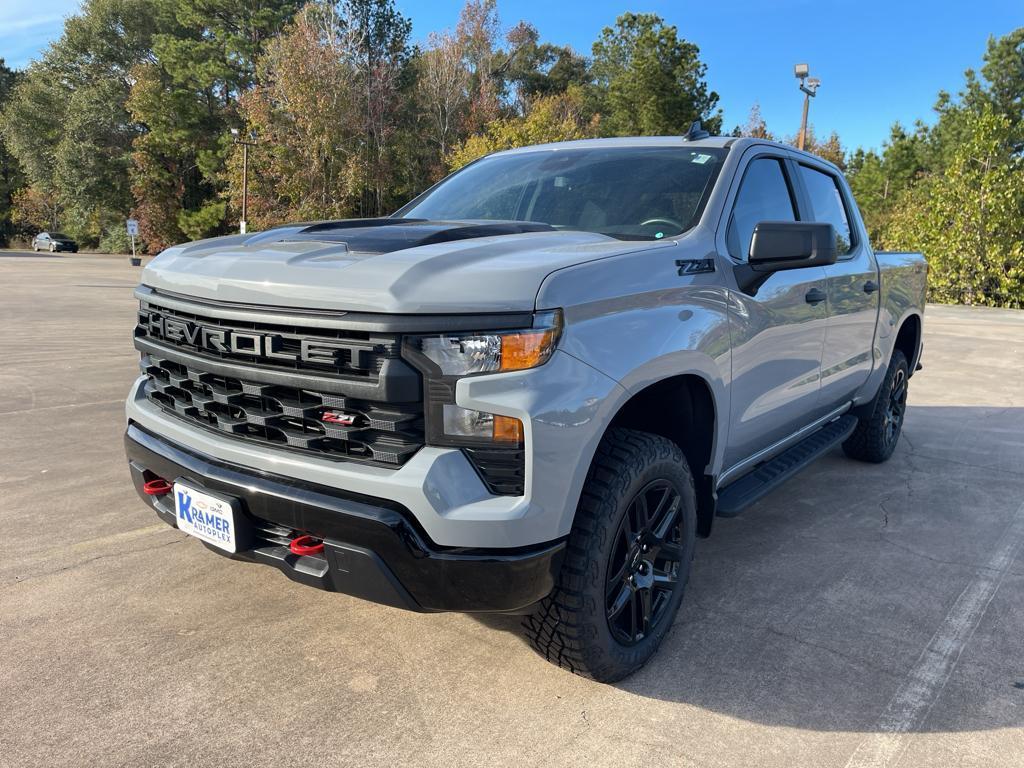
740 494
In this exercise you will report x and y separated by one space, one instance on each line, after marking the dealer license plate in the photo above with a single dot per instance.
206 517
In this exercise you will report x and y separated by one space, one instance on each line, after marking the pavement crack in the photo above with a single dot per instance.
74 566
906 437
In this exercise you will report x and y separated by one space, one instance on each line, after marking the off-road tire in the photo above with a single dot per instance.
875 437
571 627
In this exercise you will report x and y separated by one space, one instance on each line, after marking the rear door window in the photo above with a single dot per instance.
827 205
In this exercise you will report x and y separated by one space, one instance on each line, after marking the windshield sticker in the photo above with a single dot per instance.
700 159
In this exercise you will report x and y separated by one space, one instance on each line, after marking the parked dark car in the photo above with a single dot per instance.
53 242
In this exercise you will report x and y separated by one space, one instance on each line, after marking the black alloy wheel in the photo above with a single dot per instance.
878 430
643 569
896 407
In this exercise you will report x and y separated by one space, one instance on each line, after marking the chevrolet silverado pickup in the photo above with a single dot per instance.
531 389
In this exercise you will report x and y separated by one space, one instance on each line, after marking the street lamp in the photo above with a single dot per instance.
809 85
238 139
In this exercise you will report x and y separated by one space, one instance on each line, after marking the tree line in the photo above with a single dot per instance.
131 112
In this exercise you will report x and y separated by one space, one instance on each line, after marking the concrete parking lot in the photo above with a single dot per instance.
860 616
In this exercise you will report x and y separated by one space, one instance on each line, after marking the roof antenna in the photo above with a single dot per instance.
696 132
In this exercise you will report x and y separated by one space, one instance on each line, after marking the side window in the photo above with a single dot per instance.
827 204
764 196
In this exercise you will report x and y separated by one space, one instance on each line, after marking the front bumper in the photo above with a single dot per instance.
564 405
373 549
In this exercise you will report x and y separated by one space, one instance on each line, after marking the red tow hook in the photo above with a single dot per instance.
158 487
306 545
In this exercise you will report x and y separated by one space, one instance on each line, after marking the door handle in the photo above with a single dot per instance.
815 296
870 286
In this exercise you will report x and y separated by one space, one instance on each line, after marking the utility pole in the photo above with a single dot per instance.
809 85
245 172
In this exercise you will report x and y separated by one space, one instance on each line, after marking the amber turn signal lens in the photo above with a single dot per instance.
526 350
508 430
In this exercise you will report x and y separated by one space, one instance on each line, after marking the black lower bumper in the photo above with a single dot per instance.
372 547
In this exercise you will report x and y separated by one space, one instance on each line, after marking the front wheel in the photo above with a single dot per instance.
875 437
626 563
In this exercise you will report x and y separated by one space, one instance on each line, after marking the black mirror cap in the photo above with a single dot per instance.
778 245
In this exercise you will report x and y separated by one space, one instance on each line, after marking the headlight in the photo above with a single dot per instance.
468 354
445 358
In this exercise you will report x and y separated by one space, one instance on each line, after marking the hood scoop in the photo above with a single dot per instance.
387 235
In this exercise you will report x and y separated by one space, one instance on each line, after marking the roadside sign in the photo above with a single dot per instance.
133 231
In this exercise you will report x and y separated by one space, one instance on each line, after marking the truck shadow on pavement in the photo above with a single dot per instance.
816 607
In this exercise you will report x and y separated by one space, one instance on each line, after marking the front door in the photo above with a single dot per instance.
778 333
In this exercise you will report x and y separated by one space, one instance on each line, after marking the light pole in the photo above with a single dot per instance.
809 85
237 138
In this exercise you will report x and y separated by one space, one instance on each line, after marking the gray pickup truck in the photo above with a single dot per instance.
532 388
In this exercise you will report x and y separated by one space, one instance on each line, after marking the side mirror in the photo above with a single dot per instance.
780 245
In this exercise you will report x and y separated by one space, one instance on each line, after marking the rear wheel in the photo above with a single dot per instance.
627 560
876 435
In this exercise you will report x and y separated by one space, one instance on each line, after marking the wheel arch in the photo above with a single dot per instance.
683 409
908 339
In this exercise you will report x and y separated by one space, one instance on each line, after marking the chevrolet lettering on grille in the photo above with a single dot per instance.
232 341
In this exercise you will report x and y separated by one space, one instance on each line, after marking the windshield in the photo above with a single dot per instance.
625 192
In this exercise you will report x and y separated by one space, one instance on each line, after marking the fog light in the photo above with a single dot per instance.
465 422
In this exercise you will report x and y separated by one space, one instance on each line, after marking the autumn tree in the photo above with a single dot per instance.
376 40
443 87
830 149
333 92
562 117
755 127
304 114
33 210
478 35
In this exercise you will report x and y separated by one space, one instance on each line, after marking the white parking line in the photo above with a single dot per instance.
910 705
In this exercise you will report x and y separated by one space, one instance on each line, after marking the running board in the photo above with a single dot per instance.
740 494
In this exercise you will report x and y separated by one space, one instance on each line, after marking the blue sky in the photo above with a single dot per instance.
879 62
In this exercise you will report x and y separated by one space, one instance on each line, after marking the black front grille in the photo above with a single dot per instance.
328 425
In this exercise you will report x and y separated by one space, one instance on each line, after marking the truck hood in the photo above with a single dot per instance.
382 265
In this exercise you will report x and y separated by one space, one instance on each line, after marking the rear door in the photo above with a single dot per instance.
777 334
853 289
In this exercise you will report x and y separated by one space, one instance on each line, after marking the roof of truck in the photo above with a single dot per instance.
629 141
716 142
